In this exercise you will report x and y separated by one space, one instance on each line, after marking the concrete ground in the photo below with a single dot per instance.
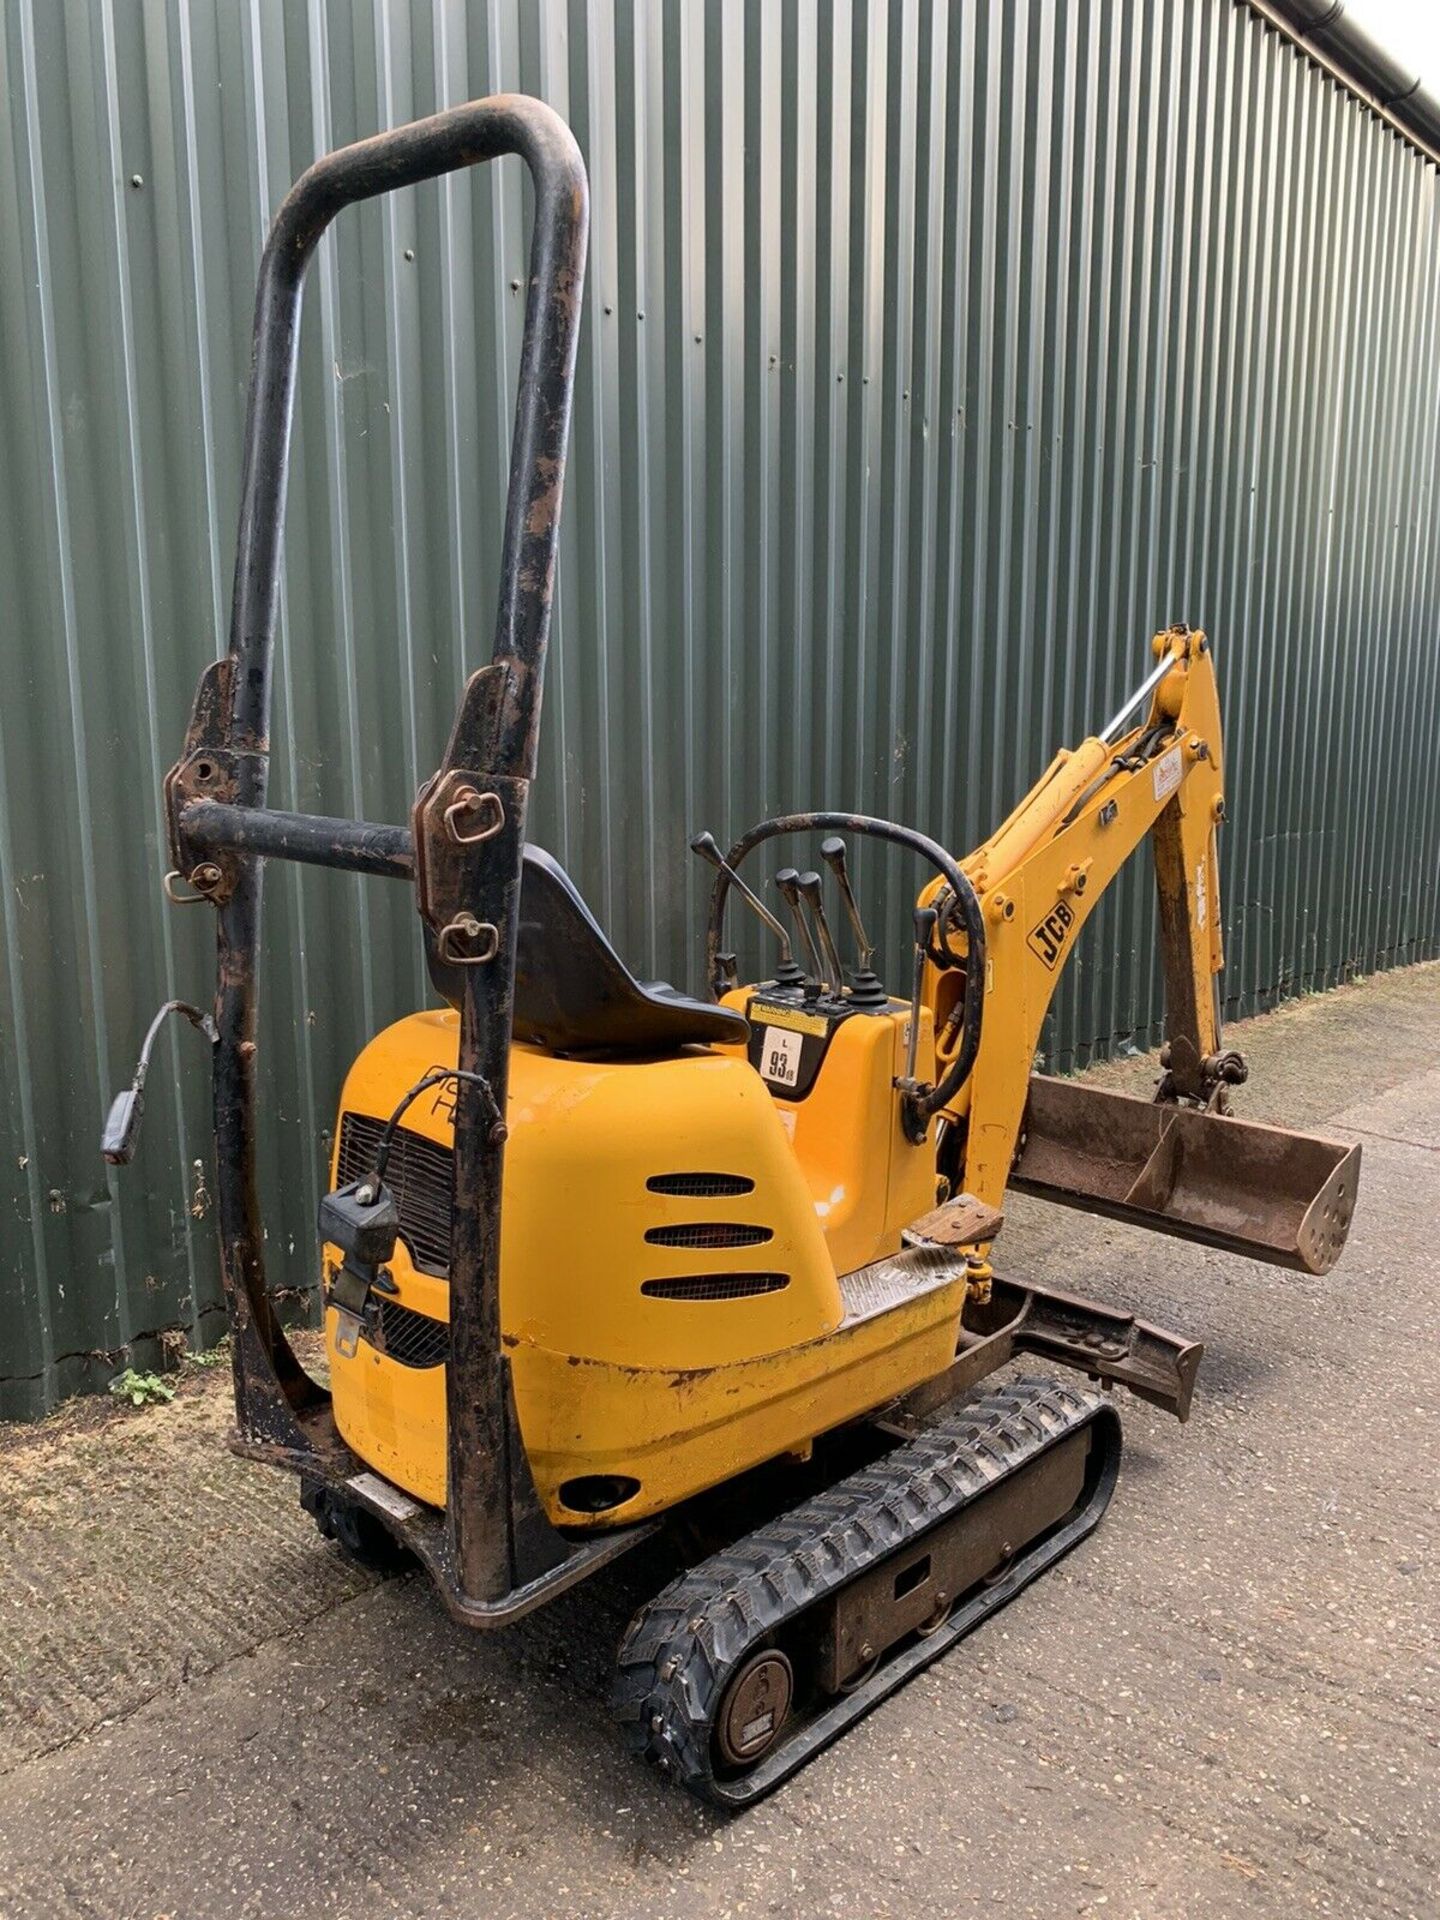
1223 1704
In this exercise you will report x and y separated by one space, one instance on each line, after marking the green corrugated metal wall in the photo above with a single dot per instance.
933 356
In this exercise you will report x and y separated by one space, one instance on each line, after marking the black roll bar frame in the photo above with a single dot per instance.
495 1553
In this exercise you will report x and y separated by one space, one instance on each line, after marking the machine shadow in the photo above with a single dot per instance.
511 1719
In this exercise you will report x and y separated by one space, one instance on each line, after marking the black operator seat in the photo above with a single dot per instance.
573 992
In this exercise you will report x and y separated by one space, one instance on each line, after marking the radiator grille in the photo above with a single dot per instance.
700 1186
714 1286
412 1339
421 1175
708 1233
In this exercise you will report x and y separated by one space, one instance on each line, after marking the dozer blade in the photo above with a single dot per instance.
1263 1191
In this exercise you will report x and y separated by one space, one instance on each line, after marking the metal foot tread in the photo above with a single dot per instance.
747 1665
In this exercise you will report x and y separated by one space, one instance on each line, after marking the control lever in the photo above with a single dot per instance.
866 988
787 974
810 893
788 881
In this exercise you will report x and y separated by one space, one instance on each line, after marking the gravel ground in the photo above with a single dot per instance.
1223 1704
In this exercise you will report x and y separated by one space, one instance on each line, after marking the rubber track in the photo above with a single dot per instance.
681 1649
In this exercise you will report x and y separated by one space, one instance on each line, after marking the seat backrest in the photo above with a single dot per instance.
573 992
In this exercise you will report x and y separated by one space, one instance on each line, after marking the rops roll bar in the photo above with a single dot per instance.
496 1554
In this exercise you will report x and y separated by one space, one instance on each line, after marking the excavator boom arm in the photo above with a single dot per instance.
1180 1164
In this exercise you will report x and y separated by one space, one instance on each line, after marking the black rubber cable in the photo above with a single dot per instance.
435 1078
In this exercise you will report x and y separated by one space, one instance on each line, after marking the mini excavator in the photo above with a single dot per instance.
604 1262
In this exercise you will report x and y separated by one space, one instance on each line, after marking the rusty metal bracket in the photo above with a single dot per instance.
1188 1079
210 768
1107 1344
450 858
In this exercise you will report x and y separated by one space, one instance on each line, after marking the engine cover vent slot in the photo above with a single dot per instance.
421 1175
700 1186
410 1339
709 1233
714 1286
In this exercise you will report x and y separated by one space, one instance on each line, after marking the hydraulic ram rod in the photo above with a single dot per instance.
1112 727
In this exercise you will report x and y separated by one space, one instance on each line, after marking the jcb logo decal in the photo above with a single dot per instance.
1050 936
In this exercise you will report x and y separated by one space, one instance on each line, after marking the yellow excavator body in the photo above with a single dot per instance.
693 1271
703 1262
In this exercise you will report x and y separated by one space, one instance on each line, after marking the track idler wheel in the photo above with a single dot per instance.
755 1708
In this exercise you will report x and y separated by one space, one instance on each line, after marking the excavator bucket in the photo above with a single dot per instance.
1263 1191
